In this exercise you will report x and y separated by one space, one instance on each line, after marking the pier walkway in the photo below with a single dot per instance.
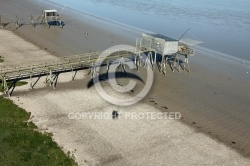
52 69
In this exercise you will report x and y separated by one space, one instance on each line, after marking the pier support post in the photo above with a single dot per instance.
54 83
6 88
108 65
93 70
2 85
122 65
140 56
60 22
178 61
155 57
50 77
173 62
72 74
17 22
186 62
31 84
32 23
154 60
136 62
1 22
163 66
149 60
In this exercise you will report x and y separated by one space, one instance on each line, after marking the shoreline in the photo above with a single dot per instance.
177 78
105 19
216 39
222 55
122 25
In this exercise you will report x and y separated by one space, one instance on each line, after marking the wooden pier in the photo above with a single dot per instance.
140 55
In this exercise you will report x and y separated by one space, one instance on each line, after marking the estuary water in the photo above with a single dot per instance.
221 25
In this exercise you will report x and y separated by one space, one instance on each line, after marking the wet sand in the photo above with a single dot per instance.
213 100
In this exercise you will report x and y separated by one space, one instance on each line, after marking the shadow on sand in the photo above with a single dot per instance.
116 75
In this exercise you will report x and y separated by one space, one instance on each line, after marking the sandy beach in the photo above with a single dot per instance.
213 99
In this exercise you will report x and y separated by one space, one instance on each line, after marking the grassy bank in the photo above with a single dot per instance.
20 144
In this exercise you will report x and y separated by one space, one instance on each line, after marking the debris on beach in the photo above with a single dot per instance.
115 114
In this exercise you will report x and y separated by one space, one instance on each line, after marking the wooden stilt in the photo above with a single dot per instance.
17 22
72 74
6 88
31 84
50 77
1 22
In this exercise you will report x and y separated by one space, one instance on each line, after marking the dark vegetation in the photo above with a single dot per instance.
22 144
